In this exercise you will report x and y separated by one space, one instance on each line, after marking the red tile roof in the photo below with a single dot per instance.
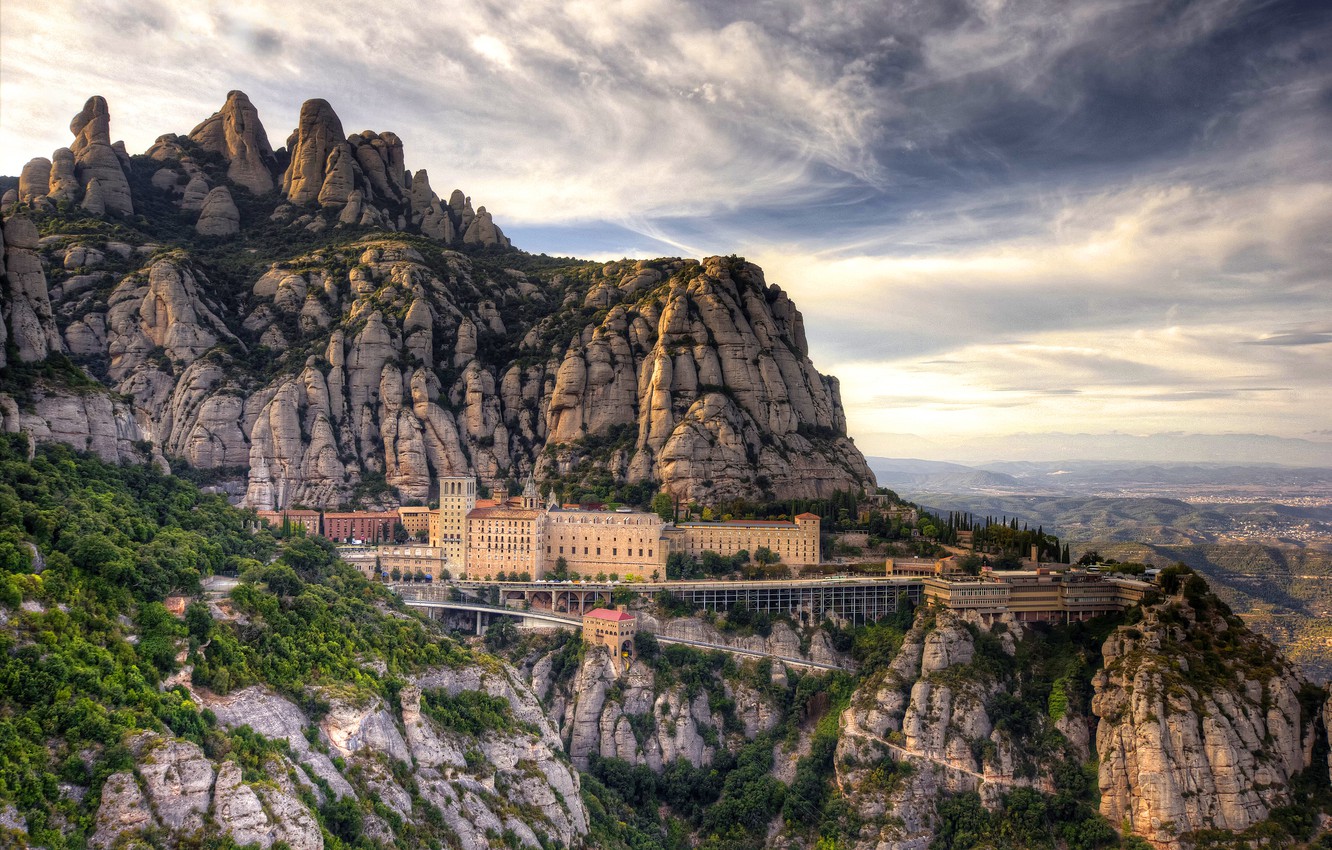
808 515
607 614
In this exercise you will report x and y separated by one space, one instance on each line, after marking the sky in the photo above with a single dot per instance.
1001 220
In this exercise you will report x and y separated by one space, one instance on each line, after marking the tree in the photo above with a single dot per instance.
561 568
199 621
396 574
663 507
764 556
501 633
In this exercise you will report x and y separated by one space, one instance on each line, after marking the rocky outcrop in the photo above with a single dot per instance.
509 780
236 133
1192 737
123 811
96 160
35 179
722 390
378 359
28 318
922 728
637 718
218 216
318 134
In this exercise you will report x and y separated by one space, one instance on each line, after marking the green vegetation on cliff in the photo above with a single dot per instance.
87 642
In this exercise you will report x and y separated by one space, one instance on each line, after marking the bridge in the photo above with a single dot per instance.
853 600
573 622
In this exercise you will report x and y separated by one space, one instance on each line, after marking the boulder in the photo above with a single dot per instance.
219 216
35 179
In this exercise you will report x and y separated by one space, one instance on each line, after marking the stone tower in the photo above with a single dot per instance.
457 497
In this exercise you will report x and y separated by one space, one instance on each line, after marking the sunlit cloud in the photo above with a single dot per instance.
996 217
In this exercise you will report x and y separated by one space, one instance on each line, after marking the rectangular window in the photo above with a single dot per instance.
615 552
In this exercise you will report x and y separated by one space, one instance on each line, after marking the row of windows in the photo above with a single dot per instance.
615 551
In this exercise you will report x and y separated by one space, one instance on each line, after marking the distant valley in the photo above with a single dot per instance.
1261 534
1171 504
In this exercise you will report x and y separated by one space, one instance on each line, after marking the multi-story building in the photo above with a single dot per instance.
503 539
1039 595
360 526
481 538
614 630
448 525
626 542
415 521
411 558
795 543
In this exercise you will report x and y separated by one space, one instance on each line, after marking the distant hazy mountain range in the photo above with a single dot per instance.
1167 504
1124 448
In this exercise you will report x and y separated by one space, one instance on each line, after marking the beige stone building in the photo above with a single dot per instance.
481 538
795 543
447 526
614 630
625 542
415 521
411 558
502 539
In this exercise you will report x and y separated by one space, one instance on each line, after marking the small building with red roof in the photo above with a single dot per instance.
614 630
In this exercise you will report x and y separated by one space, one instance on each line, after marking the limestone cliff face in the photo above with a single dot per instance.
84 416
506 781
643 720
1201 724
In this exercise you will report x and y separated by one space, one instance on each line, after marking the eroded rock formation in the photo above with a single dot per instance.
1201 724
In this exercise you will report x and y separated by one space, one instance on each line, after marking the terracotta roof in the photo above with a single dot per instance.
808 515
607 614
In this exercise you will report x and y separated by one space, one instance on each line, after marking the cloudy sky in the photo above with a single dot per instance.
998 218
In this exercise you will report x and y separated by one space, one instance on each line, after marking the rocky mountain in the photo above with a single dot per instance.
315 325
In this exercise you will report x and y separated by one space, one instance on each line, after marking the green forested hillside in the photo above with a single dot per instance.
87 642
